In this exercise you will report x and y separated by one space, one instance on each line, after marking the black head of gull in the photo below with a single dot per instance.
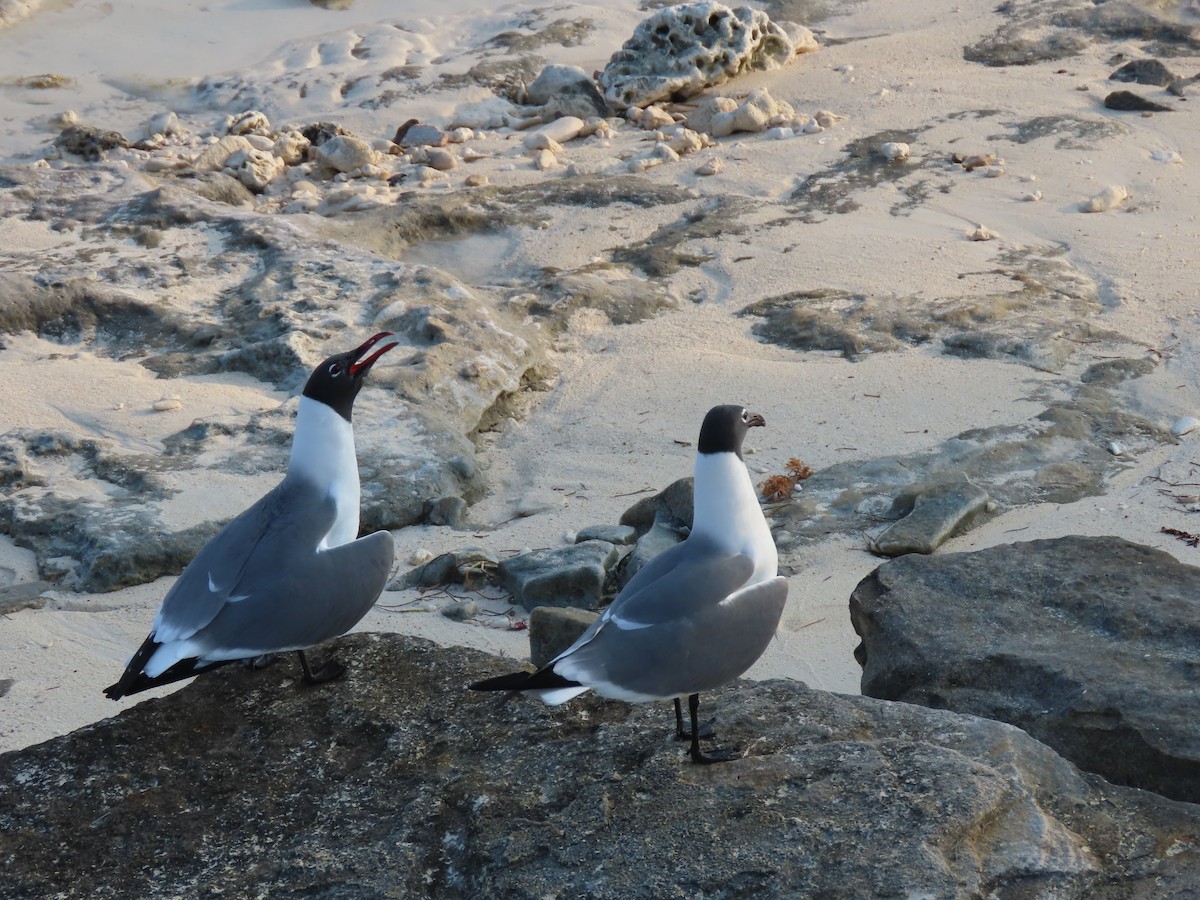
725 428
337 381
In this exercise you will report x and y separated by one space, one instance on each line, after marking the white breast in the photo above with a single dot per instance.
323 452
727 511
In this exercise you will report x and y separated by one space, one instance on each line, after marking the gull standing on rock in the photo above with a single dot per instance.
694 617
287 573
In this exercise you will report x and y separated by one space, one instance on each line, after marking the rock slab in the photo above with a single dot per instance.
572 576
1088 643
397 782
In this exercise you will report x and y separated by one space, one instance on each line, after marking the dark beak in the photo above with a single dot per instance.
362 366
755 420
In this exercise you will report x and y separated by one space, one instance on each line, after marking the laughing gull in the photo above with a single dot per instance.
694 617
287 573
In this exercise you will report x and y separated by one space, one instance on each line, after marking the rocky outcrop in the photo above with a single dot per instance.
396 781
1089 644
679 51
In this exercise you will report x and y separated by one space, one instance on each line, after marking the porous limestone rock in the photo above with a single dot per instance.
679 51
254 168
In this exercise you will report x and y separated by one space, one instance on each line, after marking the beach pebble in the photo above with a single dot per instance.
561 130
254 168
894 151
167 404
827 119
250 122
983 233
66 119
713 166
1184 425
811 127
566 91
1109 198
291 147
684 141
544 159
976 161
722 116
653 118
1116 448
213 157
1032 196
539 140
167 124
460 135
418 135
1166 156
441 159
345 153
780 133
419 557
460 611
476 180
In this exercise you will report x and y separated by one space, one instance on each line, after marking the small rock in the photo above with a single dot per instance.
544 159
249 122
1166 156
560 131
214 157
983 233
1109 198
935 515
539 140
780 133
254 168
167 404
88 142
459 610
291 147
572 576
420 556
449 511
476 180
653 118
1184 425
1144 71
1128 101
564 91
553 629
713 166
345 153
441 159
421 136
894 151
449 568
660 538
618 535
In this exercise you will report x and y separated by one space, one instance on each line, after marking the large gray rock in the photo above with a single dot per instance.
1089 644
396 781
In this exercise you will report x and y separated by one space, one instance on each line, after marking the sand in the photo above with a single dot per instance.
626 401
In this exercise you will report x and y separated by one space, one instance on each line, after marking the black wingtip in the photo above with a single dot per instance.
134 680
525 681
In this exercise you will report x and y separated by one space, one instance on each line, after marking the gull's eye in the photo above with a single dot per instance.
745 416
335 369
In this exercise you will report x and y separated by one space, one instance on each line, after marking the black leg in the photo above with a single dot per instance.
697 757
707 732
328 672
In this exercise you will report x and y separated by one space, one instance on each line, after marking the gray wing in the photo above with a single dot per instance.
322 596
698 652
286 524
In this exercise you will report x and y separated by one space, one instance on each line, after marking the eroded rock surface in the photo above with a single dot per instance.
1089 644
398 781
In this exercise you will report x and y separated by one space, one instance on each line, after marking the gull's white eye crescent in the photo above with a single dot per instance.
335 369
745 415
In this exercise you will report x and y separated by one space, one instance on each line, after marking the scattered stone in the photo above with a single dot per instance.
539 140
441 159
1128 101
449 568
651 118
476 180
552 629
713 166
291 147
618 535
460 610
254 168
722 116
1167 156
418 135
1087 643
931 516
679 51
826 119
247 123
88 142
451 511
420 556
571 576
24 596
1184 425
167 124
660 538
894 151
345 153
672 506
983 233
544 160
214 157
167 404
426 793
1109 198
320 132
563 91
1144 71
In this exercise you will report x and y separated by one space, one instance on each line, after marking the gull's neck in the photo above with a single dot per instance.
323 454
726 511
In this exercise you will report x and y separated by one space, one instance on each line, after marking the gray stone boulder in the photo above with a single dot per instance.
566 91
553 629
670 506
396 781
1088 643
572 576
931 516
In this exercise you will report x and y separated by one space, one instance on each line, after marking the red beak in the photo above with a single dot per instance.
362 366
